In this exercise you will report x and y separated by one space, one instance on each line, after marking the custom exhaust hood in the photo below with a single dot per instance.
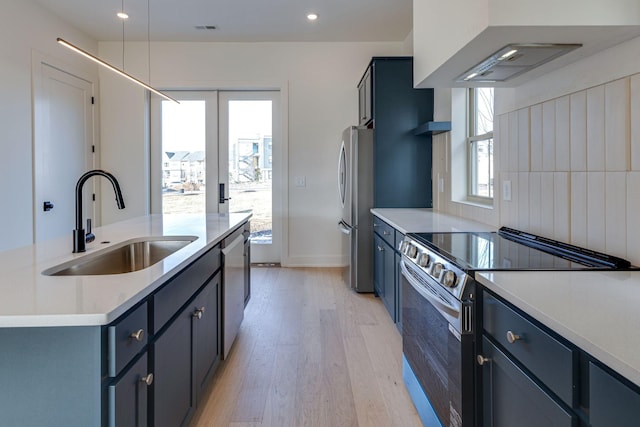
502 43
513 60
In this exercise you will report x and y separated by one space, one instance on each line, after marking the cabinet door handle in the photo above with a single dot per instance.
137 335
198 313
380 248
147 379
512 338
386 233
482 360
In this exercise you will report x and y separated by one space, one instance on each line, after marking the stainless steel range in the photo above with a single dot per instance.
439 313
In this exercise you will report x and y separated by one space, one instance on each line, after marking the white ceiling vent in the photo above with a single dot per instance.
513 60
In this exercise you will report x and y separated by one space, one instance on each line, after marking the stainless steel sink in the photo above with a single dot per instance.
126 257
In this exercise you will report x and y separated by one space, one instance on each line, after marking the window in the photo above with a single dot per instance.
480 145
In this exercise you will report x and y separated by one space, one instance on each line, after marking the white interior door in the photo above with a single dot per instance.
63 140
249 171
184 153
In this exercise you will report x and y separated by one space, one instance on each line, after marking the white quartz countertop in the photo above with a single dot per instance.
30 299
597 311
407 220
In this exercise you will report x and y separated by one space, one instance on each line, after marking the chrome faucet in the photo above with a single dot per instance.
80 238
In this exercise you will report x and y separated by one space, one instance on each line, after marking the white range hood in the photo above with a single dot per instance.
466 38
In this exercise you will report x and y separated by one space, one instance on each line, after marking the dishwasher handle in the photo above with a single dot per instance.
229 247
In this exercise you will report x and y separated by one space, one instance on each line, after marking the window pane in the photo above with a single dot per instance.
482 168
183 157
483 110
250 164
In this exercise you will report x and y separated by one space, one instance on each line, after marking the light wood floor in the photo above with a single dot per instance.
310 352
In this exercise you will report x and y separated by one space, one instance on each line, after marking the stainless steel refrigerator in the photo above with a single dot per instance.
355 187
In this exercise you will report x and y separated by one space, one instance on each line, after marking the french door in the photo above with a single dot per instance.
217 152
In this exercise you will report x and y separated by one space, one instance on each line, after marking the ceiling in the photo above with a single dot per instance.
239 20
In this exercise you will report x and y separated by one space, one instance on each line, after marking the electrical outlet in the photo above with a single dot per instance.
441 185
300 181
506 190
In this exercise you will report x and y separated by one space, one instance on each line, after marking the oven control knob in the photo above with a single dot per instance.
449 279
423 260
402 245
411 250
436 270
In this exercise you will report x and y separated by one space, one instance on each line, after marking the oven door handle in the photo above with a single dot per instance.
428 294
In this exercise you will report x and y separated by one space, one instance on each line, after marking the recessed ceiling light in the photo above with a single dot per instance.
122 15
312 16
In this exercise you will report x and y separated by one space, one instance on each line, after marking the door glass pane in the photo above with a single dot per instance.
183 157
250 164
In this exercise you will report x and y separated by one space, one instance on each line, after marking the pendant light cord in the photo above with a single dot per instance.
149 39
122 9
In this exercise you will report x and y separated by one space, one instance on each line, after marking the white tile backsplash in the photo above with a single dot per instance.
535 200
579 208
536 138
596 217
561 207
595 129
574 167
616 124
563 143
523 140
549 136
616 213
635 121
633 217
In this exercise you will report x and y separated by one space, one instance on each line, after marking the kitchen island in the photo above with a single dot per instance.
113 349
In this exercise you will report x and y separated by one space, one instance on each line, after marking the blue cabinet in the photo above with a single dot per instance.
386 271
613 402
393 108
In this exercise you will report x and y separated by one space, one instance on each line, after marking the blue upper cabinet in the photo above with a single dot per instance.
402 160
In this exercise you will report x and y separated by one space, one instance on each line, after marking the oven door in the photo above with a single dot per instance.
440 357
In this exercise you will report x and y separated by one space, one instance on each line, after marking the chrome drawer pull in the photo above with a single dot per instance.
482 360
147 379
137 335
512 338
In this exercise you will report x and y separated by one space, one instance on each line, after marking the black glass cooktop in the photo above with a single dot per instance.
511 249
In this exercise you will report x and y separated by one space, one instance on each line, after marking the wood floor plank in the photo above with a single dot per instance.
310 352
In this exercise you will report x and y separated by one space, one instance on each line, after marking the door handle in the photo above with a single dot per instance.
221 192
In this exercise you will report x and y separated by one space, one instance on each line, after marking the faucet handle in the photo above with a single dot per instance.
89 236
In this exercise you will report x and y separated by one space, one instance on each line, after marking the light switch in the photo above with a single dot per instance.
441 185
300 181
506 190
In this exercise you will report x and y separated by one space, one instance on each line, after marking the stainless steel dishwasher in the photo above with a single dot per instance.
232 288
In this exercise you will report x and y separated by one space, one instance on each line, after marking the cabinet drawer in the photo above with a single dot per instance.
547 358
612 403
511 398
385 231
128 397
126 338
168 300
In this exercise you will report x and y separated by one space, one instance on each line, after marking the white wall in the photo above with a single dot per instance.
321 81
26 29
569 142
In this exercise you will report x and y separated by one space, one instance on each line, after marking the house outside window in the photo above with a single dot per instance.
480 146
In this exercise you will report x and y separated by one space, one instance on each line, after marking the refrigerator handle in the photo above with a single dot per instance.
343 227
